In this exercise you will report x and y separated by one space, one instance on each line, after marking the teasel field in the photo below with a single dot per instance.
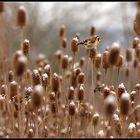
51 87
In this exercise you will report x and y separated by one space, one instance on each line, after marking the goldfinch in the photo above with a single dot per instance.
91 42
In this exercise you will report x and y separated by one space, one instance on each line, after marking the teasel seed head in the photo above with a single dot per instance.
101 134
17 54
64 43
31 133
131 130
62 31
98 76
135 63
44 79
47 69
135 42
105 60
37 96
137 113
114 53
110 105
82 61
81 78
119 62
21 16
13 89
137 50
80 93
124 103
55 82
21 65
52 96
74 45
98 60
4 90
10 76
137 23
26 47
58 54
36 79
72 108
106 92
71 93
127 72
95 119
64 63
133 95
92 31
92 53
128 55
121 89
1 7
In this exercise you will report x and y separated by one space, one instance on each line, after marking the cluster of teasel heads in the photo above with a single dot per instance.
85 98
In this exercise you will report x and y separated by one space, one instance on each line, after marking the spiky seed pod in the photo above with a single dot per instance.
108 131
121 89
40 58
119 62
137 89
135 42
44 79
106 92
64 62
95 119
13 89
37 96
101 134
3 90
26 47
133 95
92 30
114 53
137 113
31 133
10 76
71 93
47 69
81 78
135 63
105 60
74 45
73 79
128 55
36 80
1 7
131 130
82 61
53 107
72 108
28 92
62 31
80 93
124 104
21 65
58 54
137 23
98 76
127 72
21 16
64 43
16 56
55 82
52 96
92 53
137 50
77 71
110 105
98 61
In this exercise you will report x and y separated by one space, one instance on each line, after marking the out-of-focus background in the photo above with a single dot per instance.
113 22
